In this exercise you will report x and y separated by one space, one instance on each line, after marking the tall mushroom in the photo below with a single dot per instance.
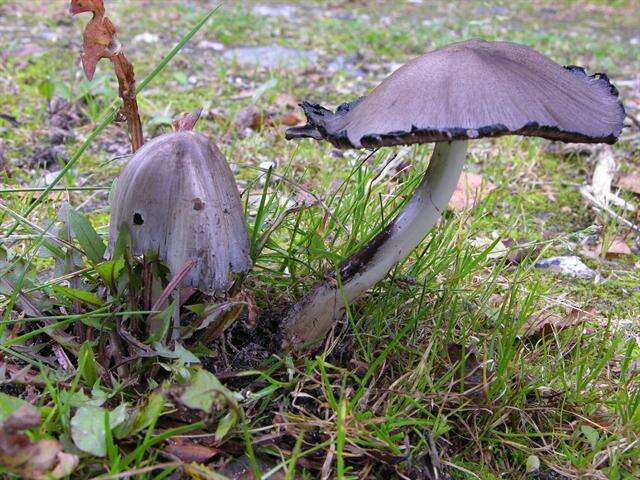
178 198
462 92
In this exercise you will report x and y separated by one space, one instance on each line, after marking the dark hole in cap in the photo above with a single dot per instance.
137 219
198 204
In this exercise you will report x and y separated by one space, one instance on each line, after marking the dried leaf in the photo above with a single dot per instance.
186 121
200 472
471 188
292 119
32 461
99 41
629 182
617 247
458 354
546 323
286 100
190 452
249 117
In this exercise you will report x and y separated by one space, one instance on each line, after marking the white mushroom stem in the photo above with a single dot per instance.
312 316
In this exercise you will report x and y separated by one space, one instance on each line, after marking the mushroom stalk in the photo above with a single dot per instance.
313 315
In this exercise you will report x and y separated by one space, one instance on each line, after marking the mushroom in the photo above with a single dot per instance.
464 91
178 198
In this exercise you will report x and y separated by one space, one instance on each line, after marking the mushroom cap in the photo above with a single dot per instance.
470 90
178 197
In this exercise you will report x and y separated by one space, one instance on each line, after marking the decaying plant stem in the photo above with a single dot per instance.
100 41
127 91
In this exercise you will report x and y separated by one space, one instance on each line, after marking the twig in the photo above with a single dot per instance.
588 195
100 41
599 192
138 471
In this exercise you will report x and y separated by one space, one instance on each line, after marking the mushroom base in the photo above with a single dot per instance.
313 315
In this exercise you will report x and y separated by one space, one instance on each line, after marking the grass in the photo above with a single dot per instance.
436 361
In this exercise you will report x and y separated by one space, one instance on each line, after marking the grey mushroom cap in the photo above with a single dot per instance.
469 90
178 197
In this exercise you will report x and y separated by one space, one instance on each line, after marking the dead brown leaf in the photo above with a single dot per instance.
286 100
629 182
26 459
292 119
546 323
471 188
249 117
189 451
186 121
472 368
617 247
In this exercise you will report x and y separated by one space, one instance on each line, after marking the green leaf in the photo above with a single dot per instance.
123 242
9 404
262 89
79 295
110 271
89 240
533 464
88 428
225 424
62 90
142 417
205 392
197 308
46 89
592 435
87 364
160 323
179 353
185 355
99 323
181 77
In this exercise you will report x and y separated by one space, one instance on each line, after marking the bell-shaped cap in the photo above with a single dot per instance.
178 197
470 90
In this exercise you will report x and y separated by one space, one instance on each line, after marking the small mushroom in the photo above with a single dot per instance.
462 92
178 198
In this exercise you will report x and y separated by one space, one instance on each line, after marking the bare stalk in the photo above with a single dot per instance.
312 316
100 41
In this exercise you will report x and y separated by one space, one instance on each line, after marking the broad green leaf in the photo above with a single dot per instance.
205 392
225 424
79 295
110 271
533 464
88 428
592 435
179 353
185 355
87 364
89 240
